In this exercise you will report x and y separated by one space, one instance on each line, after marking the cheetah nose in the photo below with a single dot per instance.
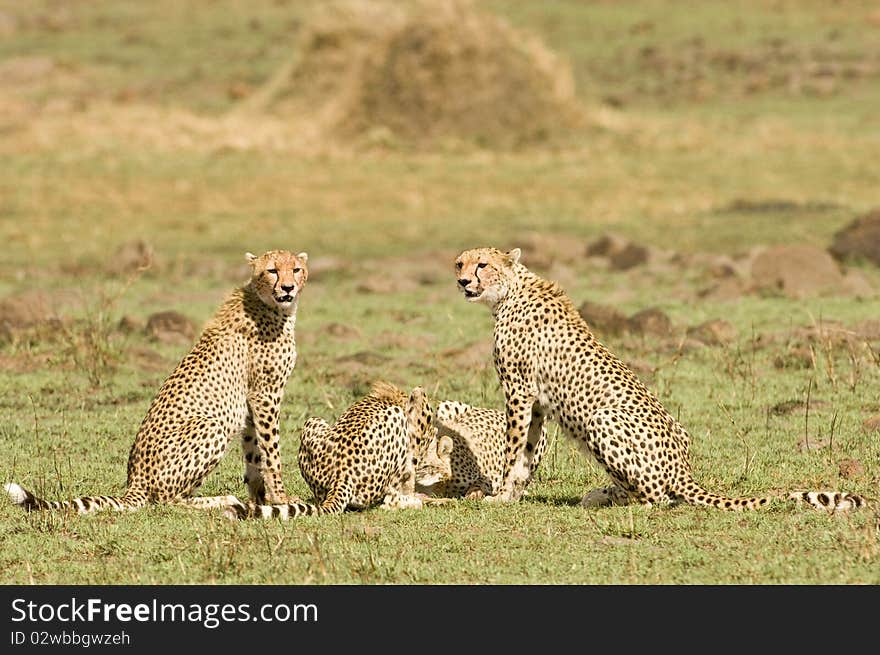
464 282
288 287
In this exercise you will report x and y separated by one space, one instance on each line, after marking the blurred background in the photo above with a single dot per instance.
635 150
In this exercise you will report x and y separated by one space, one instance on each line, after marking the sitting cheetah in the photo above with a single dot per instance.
470 449
231 383
550 365
368 457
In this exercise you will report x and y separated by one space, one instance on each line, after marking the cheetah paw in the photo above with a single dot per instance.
596 498
498 498
427 499
476 493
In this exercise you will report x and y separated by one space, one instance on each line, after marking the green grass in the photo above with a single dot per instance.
682 152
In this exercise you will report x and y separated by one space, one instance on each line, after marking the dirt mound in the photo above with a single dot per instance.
27 309
132 257
859 240
621 253
797 271
424 72
36 312
170 327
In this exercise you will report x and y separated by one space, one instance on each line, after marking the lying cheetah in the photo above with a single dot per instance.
435 468
470 452
231 383
368 457
551 366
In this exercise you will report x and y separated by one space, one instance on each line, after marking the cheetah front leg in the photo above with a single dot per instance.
253 475
525 421
261 452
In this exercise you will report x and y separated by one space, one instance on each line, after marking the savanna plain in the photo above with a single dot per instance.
681 169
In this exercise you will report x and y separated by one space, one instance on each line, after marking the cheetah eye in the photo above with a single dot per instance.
297 269
458 265
273 271
481 265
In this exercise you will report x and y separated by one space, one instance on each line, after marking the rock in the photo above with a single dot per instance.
806 445
170 327
871 424
716 332
27 309
631 256
606 245
650 321
795 357
129 324
797 271
132 257
541 251
869 329
621 253
859 240
850 468
856 283
341 331
603 319
727 288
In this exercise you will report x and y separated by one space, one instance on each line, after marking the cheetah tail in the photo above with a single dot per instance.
283 511
697 496
83 505
831 501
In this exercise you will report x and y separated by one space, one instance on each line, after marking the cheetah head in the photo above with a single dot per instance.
435 468
278 277
483 274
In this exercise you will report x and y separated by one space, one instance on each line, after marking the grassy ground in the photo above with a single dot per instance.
710 131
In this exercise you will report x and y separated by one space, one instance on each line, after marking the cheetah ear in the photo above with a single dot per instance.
417 395
250 257
514 255
416 403
303 257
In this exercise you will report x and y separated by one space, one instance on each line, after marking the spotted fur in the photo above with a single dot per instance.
230 384
368 457
471 445
550 365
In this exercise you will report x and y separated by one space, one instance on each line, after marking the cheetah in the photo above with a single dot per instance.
368 457
550 366
468 458
230 384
